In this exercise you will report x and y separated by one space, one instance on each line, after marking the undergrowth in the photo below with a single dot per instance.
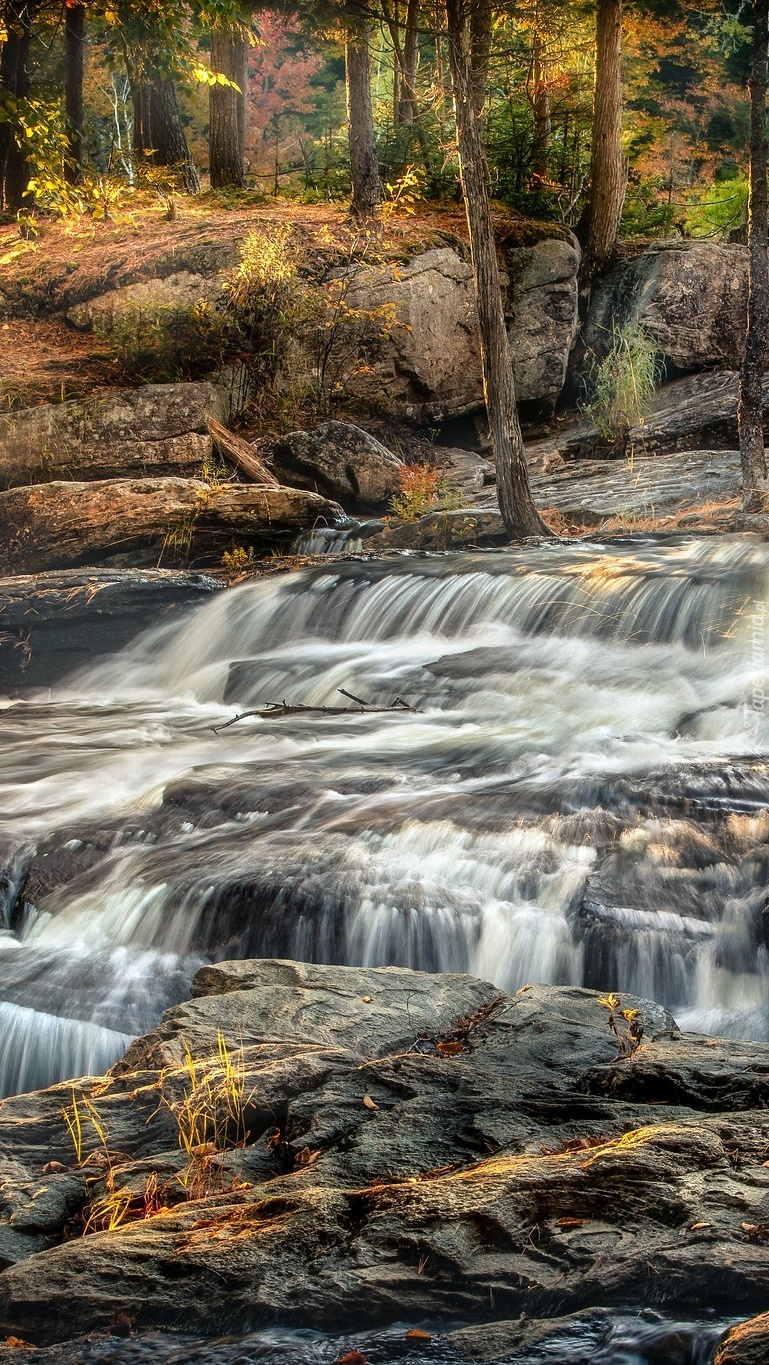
621 387
209 1103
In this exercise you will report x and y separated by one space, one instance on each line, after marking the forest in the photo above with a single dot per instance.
384 661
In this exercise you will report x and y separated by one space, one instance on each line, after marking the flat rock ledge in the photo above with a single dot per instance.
61 524
50 623
416 1148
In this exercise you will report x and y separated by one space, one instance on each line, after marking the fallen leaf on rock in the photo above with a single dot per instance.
756 1232
369 1103
307 1156
352 1358
416 1334
366 999
449 1049
522 989
695 1226
570 1222
53 1168
17 1341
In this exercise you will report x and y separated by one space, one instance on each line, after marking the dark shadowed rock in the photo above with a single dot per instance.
698 412
691 297
50 623
342 462
419 1147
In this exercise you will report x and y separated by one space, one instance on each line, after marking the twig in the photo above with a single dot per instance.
276 710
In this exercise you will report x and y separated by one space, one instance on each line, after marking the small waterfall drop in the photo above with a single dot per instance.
578 794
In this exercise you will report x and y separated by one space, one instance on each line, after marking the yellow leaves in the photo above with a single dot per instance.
205 76
366 999
18 1342
610 1002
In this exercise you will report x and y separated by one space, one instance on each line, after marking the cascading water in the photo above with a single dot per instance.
577 796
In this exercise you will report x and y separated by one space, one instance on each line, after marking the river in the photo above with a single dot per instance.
577 796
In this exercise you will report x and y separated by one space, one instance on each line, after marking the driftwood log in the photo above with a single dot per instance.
242 455
57 525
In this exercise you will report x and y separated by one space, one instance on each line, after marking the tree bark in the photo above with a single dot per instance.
15 79
540 103
750 415
158 130
515 502
229 57
74 66
364 165
608 167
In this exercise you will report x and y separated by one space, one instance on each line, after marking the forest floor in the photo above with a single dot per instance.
49 266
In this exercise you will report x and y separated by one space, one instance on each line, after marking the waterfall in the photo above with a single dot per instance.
577 794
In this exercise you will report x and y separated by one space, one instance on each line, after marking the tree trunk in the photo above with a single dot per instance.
540 103
515 502
608 167
229 57
73 89
750 415
364 166
407 56
14 78
158 130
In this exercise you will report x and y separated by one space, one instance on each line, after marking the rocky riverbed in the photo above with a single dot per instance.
402 1147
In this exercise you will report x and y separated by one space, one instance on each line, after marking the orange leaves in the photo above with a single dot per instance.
450 1048
369 1103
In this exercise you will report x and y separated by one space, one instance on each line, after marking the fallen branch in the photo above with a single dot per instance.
277 710
243 456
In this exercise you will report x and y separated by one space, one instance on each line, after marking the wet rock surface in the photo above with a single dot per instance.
417 1147
50 623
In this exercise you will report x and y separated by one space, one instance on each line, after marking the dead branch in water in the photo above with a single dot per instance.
276 710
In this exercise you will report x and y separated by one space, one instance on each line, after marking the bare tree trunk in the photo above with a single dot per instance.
229 56
73 89
480 49
14 79
750 410
158 130
540 103
364 165
608 167
515 502
407 55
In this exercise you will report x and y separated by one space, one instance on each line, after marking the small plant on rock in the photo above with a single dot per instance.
422 489
622 386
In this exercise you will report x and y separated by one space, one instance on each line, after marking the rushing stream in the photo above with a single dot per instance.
578 794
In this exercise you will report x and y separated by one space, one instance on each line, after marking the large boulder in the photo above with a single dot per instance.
58 525
746 1344
542 316
145 304
425 362
339 461
691 297
155 429
698 412
403 1147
